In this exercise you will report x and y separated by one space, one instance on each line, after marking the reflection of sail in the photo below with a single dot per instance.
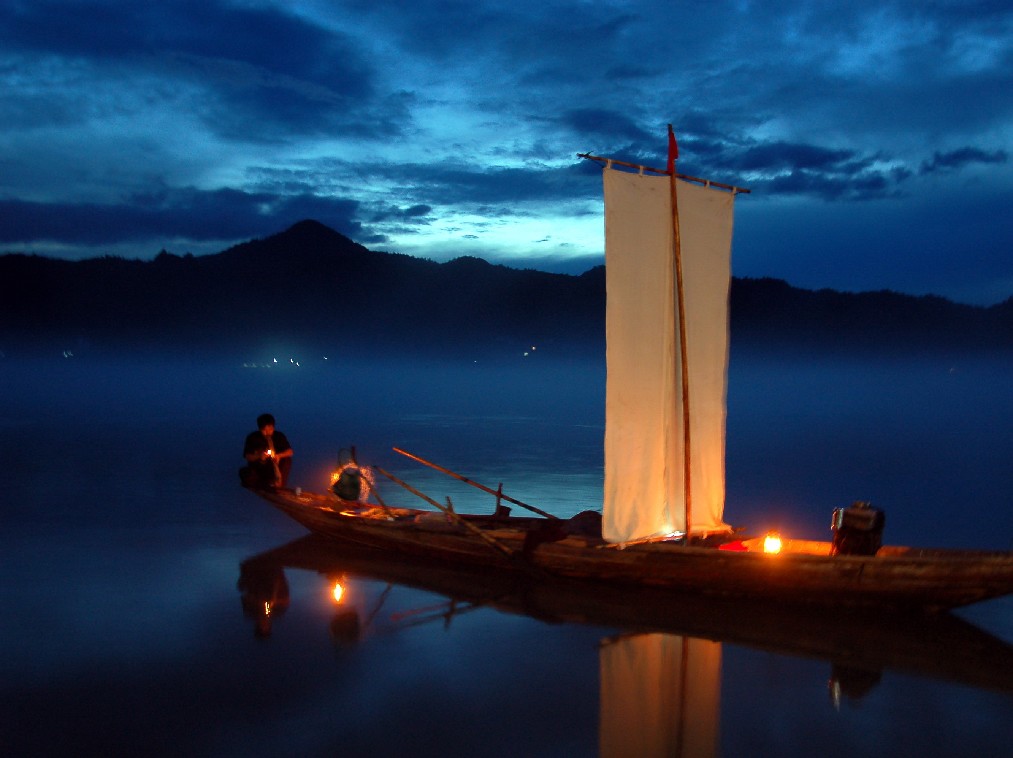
660 696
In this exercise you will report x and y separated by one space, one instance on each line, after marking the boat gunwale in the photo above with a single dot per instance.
513 528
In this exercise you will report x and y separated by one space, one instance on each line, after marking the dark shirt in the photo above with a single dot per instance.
263 471
256 442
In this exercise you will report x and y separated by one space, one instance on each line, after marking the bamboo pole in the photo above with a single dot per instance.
375 493
680 295
466 480
453 516
662 171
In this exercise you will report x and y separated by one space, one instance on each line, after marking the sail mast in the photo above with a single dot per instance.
683 351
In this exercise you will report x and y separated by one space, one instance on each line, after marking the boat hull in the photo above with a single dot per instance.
896 578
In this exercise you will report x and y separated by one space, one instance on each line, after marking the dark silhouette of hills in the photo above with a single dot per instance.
771 312
311 288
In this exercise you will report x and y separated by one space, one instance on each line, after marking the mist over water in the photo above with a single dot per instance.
124 527
927 439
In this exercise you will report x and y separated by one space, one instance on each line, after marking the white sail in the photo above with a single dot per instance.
660 696
645 493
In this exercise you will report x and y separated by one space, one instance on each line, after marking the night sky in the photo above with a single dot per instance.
875 136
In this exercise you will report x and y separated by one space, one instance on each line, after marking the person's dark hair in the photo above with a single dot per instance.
264 419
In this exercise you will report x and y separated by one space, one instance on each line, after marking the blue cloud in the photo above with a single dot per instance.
186 213
956 159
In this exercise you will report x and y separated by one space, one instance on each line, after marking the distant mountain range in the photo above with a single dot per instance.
311 288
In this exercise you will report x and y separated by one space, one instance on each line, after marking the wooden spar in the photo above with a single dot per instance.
373 491
684 177
433 611
499 493
680 296
453 516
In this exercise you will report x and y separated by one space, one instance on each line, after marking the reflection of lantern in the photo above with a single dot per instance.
345 626
772 544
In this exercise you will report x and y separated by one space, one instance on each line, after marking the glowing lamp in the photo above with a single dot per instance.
337 592
772 544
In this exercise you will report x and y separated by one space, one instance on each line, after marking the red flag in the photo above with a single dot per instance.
673 150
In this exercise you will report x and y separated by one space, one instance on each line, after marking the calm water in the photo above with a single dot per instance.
124 529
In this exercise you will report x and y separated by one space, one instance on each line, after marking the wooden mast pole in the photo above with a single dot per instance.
680 294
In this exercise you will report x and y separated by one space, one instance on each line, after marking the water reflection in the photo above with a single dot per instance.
660 696
671 638
265 595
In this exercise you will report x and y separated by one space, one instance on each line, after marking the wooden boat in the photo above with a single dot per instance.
661 526
803 572
941 646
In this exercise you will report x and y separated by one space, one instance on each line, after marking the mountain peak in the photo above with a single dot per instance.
306 240
310 234
311 229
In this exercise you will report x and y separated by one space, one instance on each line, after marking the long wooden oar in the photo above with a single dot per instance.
499 494
456 518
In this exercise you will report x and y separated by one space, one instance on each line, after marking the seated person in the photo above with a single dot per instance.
268 456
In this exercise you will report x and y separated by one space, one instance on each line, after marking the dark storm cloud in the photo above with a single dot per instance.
523 33
205 29
791 168
263 73
776 156
612 126
187 213
454 183
956 159
418 214
774 167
